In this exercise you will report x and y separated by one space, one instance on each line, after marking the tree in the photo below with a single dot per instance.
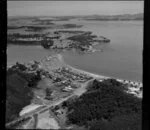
47 43
48 93
21 66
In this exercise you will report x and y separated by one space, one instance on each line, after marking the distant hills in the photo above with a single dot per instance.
138 16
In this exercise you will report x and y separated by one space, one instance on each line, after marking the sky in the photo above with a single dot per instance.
63 8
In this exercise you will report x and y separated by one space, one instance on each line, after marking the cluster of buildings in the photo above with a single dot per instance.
70 79
65 78
66 81
134 88
69 74
131 83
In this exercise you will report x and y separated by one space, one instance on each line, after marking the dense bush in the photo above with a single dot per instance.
19 66
82 39
72 26
103 101
31 78
19 89
35 28
109 83
122 122
47 43
18 96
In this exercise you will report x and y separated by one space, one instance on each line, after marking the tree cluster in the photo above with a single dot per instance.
19 89
20 69
35 28
72 26
47 43
18 95
104 101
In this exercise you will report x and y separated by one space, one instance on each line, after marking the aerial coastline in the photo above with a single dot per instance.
55 67
60 57
94 75
61 63
46 91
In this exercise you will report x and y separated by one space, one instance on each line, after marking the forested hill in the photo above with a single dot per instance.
105 106
19 90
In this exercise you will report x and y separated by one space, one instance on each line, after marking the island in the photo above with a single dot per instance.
79 40
50 94
44 32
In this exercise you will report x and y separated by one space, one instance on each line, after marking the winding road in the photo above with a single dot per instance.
77 92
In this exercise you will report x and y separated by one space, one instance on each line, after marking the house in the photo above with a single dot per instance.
67 88
127 82
119 80
100 80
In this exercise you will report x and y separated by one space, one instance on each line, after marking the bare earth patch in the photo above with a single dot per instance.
45 121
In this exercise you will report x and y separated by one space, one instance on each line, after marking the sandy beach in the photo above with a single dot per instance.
132 90
60 57
97 76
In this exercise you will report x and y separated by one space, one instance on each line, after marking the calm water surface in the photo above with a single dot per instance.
121 58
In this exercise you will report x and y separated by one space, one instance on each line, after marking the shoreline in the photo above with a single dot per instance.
60 57
133 88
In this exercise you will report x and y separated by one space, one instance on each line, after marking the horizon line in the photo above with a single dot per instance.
72 15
